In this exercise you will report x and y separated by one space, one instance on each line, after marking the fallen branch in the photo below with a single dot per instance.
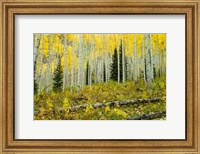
120 103
125 102
148 116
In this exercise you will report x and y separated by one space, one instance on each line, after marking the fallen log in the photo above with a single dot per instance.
148 116
120 103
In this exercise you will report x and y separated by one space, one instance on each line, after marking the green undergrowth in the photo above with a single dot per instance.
55 106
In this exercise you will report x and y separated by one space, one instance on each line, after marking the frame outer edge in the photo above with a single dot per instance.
1 74
3 77
196 75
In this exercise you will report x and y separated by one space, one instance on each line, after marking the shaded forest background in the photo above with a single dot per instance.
78 67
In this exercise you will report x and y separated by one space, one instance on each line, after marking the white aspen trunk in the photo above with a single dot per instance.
96 65
79 62
52 58
98 73
41 62
90 77
118 68
78 78
158 57
102 67
133 66
48 66
88 61
106 57
123 60
55 54
156 60
163 70
143 57
72 74
91 65
88 73
106 60
135 59
129 62
152 62
82 65
102 70
36 46
128 68
139 64
75 71
95 69
65 61
161 61
99 70
109 62
148 61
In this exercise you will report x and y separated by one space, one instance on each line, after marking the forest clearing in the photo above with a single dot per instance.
99 76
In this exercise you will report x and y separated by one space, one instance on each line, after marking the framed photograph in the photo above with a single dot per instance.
99 76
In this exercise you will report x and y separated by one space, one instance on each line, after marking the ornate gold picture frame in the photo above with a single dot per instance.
10 8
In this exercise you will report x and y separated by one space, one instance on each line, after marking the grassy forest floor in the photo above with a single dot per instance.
56 106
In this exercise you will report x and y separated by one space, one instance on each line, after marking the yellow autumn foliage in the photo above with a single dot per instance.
98 46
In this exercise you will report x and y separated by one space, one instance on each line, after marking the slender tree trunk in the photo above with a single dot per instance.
106 57
118 63
90 77
65 61
41 63
82 63
102 69
129 72
152 61
123 60
48 70
143 57
55 53
148 61
135 59
90 61
158 57
96 65
72 74
36 47
79 61
75 64
163 61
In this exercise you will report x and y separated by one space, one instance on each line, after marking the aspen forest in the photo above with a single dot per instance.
99 76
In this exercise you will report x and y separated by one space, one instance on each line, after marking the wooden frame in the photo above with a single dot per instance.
190 8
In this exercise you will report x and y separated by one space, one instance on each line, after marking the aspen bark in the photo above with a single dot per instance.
143 57
36 48
135 59
41 62
48 70
72 71
65 61
148 61
151 56
123 60
118 63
